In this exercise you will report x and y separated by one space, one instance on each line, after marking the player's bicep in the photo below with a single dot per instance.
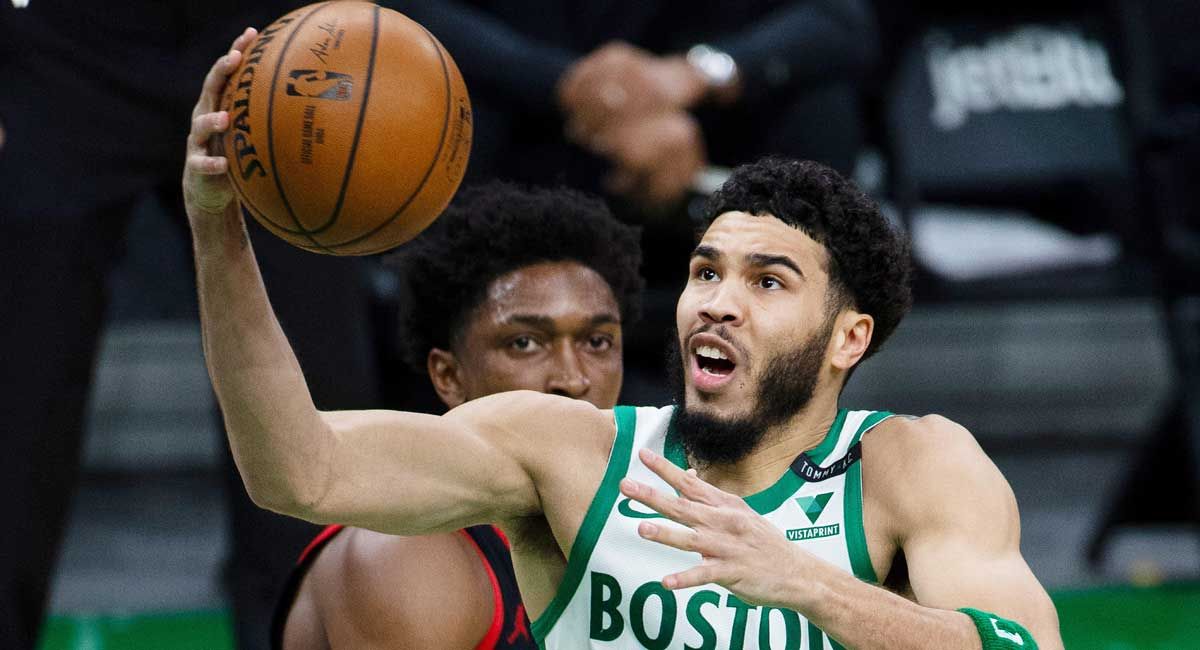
411 473
953 573
968 555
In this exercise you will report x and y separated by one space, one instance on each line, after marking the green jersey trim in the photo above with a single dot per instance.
769 499
856 537
593 523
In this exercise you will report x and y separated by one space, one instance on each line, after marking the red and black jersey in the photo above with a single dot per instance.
510 625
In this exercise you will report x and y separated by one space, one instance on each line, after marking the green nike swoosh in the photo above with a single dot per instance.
626 509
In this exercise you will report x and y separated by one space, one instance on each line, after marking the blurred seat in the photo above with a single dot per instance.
1022 163
994 125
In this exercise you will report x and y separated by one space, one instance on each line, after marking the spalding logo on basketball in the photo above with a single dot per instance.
351 128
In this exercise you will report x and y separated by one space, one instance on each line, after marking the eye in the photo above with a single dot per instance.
769 282
707 274
600 343
523 343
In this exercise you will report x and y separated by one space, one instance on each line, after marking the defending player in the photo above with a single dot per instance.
791 513
534 300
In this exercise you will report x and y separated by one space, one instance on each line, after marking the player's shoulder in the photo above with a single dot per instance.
923 468
916 440
411 578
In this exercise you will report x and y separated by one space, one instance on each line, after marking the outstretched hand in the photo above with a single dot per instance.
206 188
740 550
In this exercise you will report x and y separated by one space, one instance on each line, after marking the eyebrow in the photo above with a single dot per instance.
763 259
707 252
547 323
758 260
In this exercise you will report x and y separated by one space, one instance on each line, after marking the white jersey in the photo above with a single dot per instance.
611 595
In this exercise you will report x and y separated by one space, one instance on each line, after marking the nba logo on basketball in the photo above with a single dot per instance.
321 84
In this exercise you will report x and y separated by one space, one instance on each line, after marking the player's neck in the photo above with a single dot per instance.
763 466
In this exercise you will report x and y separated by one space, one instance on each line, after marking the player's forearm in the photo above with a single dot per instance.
863 616
279 440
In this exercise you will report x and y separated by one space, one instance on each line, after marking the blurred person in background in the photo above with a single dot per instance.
635 99
644 95
93 97
535 298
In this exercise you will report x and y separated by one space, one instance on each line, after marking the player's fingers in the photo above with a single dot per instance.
214 82
219 73
689 485
673 508
701 574
205 125
206 165
244 39
684 539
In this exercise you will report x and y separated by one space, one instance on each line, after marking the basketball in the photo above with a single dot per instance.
350 128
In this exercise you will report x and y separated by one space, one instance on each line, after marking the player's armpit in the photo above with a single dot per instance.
962 534
483 462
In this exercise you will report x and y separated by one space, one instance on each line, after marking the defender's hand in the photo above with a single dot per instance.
206 188
739 549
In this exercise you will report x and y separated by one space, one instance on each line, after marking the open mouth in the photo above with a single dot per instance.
712 361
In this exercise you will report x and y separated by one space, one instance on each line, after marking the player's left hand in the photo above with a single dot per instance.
207 191
739 549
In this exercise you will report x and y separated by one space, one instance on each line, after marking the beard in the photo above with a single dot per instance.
784 387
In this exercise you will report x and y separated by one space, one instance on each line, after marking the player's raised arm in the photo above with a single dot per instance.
395 472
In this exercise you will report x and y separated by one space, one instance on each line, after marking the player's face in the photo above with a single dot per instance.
755 302
551 327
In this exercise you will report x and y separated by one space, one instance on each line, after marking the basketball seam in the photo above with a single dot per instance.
432 165
271 130
362 112
247 204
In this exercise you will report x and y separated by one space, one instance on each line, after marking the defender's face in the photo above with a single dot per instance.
756 289
552 327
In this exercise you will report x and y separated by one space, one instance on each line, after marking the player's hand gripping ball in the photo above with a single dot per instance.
350 128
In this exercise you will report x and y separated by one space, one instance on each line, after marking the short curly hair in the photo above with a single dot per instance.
496 228
870 262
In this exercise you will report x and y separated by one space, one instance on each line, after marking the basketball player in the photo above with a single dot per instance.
755 513
535 300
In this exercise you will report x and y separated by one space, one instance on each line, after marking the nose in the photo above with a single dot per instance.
721 307
568 378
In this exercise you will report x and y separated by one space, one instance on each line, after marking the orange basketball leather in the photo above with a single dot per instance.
350 128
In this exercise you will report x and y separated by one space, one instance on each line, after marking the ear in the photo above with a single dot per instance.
852 336
443 371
